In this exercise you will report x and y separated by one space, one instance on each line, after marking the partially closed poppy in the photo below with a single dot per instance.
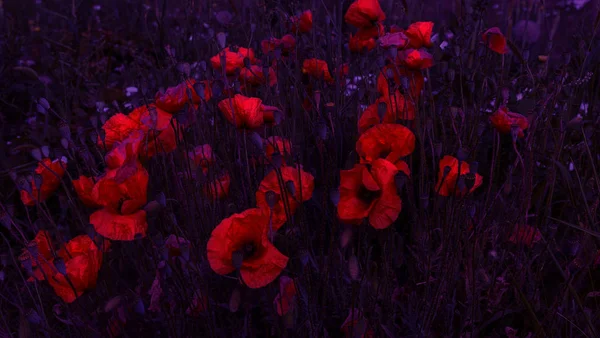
504 121
123 190
240 242
365 38
419 34
244 112
234 60
116 129
369 192
394 107
286 298
387 141
302 23
364 13
175 98
286 44
219 187
495 40
449 174
415 59
119 227
83 187
49 175
525 235
298 187
317 69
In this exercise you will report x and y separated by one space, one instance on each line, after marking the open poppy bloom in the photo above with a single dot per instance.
365 38
526 235
364 13
240 242
80 260
448 177
394 108
286 298
277 144
83 187
126 150
504 120
50 174
160 128
234 60
298 187
119 227
419 34
415 59
287 43
244 112
495 40
202 156
317 69
219 187
302 23
397 40
388 141
116 129
369 191
175 98
392 74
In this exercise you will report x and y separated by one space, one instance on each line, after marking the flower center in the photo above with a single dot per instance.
367 196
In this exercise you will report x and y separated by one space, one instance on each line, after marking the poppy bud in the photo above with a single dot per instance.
60 266
381 110
36 154
33 317
461 184
64 143
24 185
271 198
139 307
221 39
5 220
290 187
235 300
450 75
462 154
103 117
37 180
317 96
334 195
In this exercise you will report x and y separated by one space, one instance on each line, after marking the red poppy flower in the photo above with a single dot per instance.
219 187
526 235
353 321
241 239
254 76
233 60
396 107
395 74
173 245
244 112
83 186
419 34
202 156
116 129
448 184
369 192
388 141
415 59
364 13
175 98
343 70
503 120
298 187
122 190
159 127
317 69
495 40
365 38
285 299
51 173
276 144
302 23
397 40
287 44
39 254
125 151
119 227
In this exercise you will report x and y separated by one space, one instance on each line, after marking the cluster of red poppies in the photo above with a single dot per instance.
243 241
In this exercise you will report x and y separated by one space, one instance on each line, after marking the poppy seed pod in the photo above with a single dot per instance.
290 187
33 317
24 185
271 198
257 141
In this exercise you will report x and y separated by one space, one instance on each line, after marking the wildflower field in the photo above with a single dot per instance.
261 168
